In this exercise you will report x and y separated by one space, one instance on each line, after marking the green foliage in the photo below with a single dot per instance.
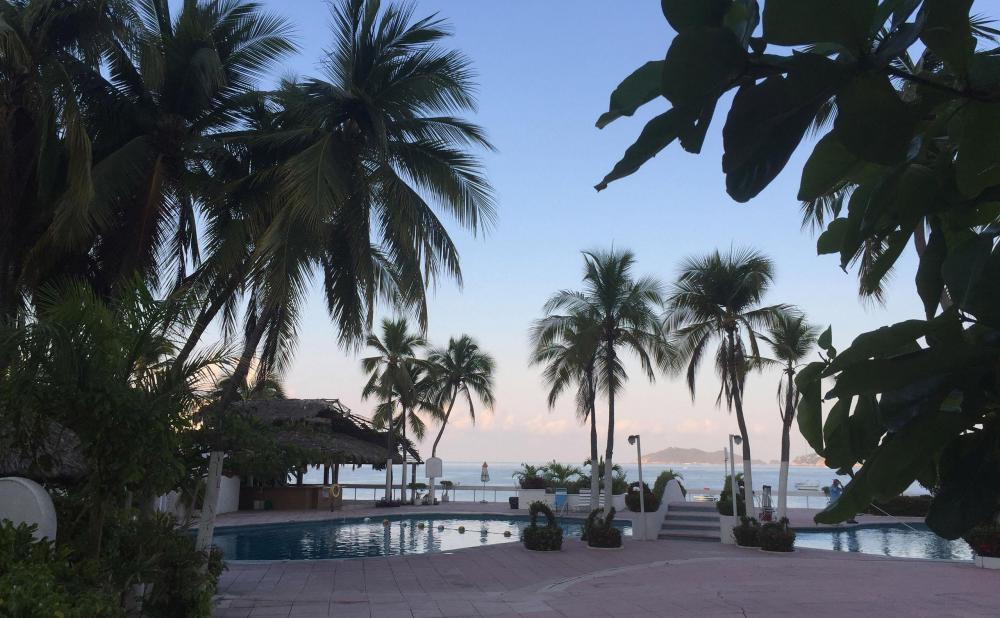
912 89
725 503
560 475
542 538
901 506
660 485
748 532
530 477
39 579
984 539
776 536
650 499
599 531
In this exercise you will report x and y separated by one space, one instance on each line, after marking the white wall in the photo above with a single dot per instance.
229 495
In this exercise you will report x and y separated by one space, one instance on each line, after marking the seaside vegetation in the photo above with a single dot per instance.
904 97
153 189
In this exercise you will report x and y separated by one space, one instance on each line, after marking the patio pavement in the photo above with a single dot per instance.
659 578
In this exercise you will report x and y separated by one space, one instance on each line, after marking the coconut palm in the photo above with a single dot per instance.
567 346
718 297
460 370
391 378
624 310
791 339
561 474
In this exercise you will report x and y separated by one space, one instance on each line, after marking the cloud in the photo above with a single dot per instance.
698 426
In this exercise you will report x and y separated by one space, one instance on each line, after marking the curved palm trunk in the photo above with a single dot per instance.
444 423
786 425
206 524
205 317
741 421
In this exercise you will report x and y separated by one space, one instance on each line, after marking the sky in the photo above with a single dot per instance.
545 71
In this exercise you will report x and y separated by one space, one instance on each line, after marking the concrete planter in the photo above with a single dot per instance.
618 501
527 496
726 525
619 548
988 562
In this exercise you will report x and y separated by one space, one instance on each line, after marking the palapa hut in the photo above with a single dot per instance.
330 435
57 458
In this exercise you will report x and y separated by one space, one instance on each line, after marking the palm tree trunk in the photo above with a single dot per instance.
444 423
609 449
206 524
786 426
734 385
388 454
205 317
402 488
595 476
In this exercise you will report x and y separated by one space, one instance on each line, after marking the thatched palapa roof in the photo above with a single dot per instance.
57 458
328 427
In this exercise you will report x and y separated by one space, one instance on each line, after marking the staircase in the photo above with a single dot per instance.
691 521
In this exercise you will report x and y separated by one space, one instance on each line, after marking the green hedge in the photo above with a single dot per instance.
776 536
600 532
542 538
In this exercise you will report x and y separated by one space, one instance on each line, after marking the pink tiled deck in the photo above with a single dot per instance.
661 578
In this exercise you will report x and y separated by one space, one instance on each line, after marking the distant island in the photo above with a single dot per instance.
674 455
811 459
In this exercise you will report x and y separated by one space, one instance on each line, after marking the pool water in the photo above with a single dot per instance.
355 538
915 541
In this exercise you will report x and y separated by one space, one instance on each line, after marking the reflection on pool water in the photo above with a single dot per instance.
354 538
915 541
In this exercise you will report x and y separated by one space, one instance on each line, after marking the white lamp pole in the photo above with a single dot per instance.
634 439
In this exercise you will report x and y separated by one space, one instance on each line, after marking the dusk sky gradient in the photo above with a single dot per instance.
545 71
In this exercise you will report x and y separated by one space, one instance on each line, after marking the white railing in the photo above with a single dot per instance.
811 495
471 493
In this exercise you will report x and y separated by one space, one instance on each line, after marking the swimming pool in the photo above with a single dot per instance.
356 538
915 541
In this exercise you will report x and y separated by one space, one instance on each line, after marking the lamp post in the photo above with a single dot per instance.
737 440
634 439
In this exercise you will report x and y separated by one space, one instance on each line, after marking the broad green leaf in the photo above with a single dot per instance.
978 163
855 499
825 339
880 342
768 119
829 167
837 435
872 121
848 23
969 485
947 31
832 239
930 282
684 15
880 375
971 272
693 136
655 136
809 412
701 65
866 429
639 88
893 466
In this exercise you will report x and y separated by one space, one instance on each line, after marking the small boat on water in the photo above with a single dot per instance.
807 486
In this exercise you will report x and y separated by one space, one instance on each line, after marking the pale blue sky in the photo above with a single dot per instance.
545 71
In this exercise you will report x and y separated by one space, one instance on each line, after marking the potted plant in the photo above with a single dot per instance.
532 482
446 486
542 538
984 540
747 534
776 536
599 532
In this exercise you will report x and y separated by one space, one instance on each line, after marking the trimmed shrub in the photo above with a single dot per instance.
651 500
660 485
901 506
542 538
776 536
599 531
725 503
984 539
748 532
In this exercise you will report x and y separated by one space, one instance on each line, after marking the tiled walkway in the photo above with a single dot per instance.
661 578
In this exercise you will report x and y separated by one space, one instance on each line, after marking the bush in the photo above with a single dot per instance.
725 507
747 533
600 532
901 506
776 536
651 500
984 539
530 477
660 485
542 538
725 503
37 579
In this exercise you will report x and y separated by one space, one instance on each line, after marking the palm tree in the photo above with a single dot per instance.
624 310
567 346
561 474
718 297
791 339
391 378
460 370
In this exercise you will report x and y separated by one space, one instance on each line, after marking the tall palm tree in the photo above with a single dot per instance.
567 346
461 370
391 378
718 297
624 309
791 339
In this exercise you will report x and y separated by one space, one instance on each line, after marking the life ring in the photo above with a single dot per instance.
336 490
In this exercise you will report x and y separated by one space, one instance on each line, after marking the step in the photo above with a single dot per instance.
690 536
692 517
708 507
688 526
